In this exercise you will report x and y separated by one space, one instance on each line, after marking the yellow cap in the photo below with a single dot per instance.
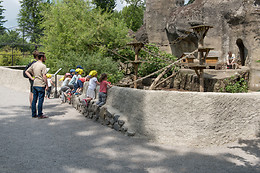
48 75
61 79
79 71
93 73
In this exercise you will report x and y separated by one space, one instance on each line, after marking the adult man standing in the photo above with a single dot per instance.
38 70
35 55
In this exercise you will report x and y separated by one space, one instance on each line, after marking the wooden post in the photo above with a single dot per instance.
137 48
136 65
201 80
201 32
135 74
201 72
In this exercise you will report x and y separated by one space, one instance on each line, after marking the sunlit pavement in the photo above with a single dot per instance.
68 142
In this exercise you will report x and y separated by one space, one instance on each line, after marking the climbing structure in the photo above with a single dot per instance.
201 31
137 47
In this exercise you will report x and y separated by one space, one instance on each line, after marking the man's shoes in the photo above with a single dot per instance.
42 117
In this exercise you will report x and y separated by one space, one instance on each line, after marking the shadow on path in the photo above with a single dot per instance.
67 142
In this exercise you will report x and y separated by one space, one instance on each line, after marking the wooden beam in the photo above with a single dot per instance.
178 61
158 78
173 75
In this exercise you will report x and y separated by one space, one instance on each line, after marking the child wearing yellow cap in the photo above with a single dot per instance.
93 82
50 84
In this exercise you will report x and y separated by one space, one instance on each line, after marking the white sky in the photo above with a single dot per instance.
12 9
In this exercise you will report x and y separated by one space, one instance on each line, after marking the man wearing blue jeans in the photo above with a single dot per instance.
38 70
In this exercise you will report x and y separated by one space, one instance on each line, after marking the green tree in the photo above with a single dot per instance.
2 21
30 18
13 39
105 5
73 27
133 14
13 56
136 2
10 38
190 2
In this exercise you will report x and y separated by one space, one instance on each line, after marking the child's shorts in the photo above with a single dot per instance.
91 93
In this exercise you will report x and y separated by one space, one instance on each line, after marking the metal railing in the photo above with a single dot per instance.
56 81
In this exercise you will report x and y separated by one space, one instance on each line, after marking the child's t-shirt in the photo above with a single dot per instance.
73 80
82 80
66 82
49 82
103 86
92 83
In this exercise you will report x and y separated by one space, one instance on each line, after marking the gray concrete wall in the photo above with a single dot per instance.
14 79
188 118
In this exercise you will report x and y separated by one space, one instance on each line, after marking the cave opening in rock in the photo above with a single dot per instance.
242 51
257 3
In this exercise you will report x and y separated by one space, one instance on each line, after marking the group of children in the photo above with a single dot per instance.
73 84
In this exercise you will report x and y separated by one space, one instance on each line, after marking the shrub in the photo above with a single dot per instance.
6 58
239 85
151 62
94 61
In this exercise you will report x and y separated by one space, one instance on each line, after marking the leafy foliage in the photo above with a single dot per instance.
7 56
94 61
76 27
30 18
190 2
133 16
154 63
136 2
236 85
13 39
105 5
2 21
151 62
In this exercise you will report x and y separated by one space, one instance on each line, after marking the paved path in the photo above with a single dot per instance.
69 143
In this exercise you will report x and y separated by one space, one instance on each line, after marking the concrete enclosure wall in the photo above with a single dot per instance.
14 79
188 118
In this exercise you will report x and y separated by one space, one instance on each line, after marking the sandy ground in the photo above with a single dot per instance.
67 142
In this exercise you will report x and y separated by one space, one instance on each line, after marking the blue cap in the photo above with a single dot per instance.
79 66
72 70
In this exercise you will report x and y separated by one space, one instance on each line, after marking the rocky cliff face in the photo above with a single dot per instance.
235 22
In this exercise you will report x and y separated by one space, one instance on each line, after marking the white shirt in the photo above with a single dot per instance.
92 83
49 82
65 82
231 58
73 80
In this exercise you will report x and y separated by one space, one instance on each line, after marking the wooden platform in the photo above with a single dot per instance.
197 66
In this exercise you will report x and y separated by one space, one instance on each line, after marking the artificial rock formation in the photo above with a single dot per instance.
235 29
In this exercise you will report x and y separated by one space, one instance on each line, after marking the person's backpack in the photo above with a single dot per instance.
28 65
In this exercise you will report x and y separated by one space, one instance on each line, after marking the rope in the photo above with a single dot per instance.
158 56
163 68
118 54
